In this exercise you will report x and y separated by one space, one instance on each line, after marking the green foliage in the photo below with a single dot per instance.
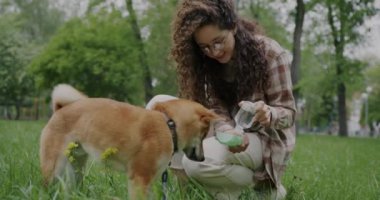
266 17
158 19
373 107
317 87
40 20
353 75
348 16
96 54
373 75
15 53
25 25
344 19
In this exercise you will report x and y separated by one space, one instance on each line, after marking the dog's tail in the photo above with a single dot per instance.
64 94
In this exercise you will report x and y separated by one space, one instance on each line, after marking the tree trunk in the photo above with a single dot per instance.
36 108
142 54
339 43
296 62
18 110
295 68
341 88
9 112
342 109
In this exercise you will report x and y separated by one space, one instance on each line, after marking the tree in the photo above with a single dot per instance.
40 19
148 88
96 54
344 18
297 35
373 74
266 17
317 88
157 20
36 22
15 52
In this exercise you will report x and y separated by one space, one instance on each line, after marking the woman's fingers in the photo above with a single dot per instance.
263 113
241 147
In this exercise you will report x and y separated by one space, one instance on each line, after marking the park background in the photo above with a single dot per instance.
120 49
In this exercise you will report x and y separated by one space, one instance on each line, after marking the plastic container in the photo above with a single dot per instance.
243 120
229 139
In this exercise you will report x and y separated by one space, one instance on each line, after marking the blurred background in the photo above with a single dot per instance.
120 49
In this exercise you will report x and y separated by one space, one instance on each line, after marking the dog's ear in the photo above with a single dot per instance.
161 107
208 116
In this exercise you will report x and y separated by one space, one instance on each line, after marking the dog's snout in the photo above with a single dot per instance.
201 158
192 155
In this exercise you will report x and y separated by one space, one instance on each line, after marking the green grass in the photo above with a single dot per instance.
328 167
322 167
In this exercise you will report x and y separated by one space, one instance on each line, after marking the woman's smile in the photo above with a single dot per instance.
215 43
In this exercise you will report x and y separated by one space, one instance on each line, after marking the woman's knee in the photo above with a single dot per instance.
199 170
217 174
192 169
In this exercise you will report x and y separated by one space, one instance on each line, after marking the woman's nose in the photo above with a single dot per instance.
216 52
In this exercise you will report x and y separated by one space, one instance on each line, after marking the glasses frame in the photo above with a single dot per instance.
216 46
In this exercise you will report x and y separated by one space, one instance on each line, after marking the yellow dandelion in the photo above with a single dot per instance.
71 159
72 145
109 152
68 152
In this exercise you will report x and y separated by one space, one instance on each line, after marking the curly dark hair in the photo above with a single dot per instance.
199 76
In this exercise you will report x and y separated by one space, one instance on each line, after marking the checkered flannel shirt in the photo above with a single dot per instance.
279 139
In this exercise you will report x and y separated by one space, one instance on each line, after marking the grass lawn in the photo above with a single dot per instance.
322 167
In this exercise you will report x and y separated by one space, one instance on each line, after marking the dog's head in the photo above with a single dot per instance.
192 124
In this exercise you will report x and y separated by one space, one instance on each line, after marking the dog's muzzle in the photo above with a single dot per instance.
191 153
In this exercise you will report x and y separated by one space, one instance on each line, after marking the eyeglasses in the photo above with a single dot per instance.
216 46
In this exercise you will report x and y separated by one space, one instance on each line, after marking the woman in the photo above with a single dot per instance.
224 62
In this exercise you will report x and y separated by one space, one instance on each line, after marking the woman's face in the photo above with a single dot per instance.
215 43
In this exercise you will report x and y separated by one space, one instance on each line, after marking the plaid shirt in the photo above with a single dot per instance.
278 140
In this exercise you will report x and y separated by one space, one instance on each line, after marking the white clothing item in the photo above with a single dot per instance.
158 98
225 174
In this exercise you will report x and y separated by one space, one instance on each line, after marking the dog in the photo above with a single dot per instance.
125 137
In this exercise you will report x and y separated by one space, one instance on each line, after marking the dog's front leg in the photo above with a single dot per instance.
141 174
137 189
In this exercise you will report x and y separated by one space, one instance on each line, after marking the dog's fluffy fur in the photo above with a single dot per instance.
124 136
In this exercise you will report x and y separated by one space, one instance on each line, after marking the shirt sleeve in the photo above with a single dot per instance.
279 95
219 108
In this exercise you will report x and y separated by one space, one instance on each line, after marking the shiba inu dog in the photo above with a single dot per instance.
126 137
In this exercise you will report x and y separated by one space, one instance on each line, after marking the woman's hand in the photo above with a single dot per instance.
260 109
231 130
242 147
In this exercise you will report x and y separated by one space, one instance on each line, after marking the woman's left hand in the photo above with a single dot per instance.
260 109
242 147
